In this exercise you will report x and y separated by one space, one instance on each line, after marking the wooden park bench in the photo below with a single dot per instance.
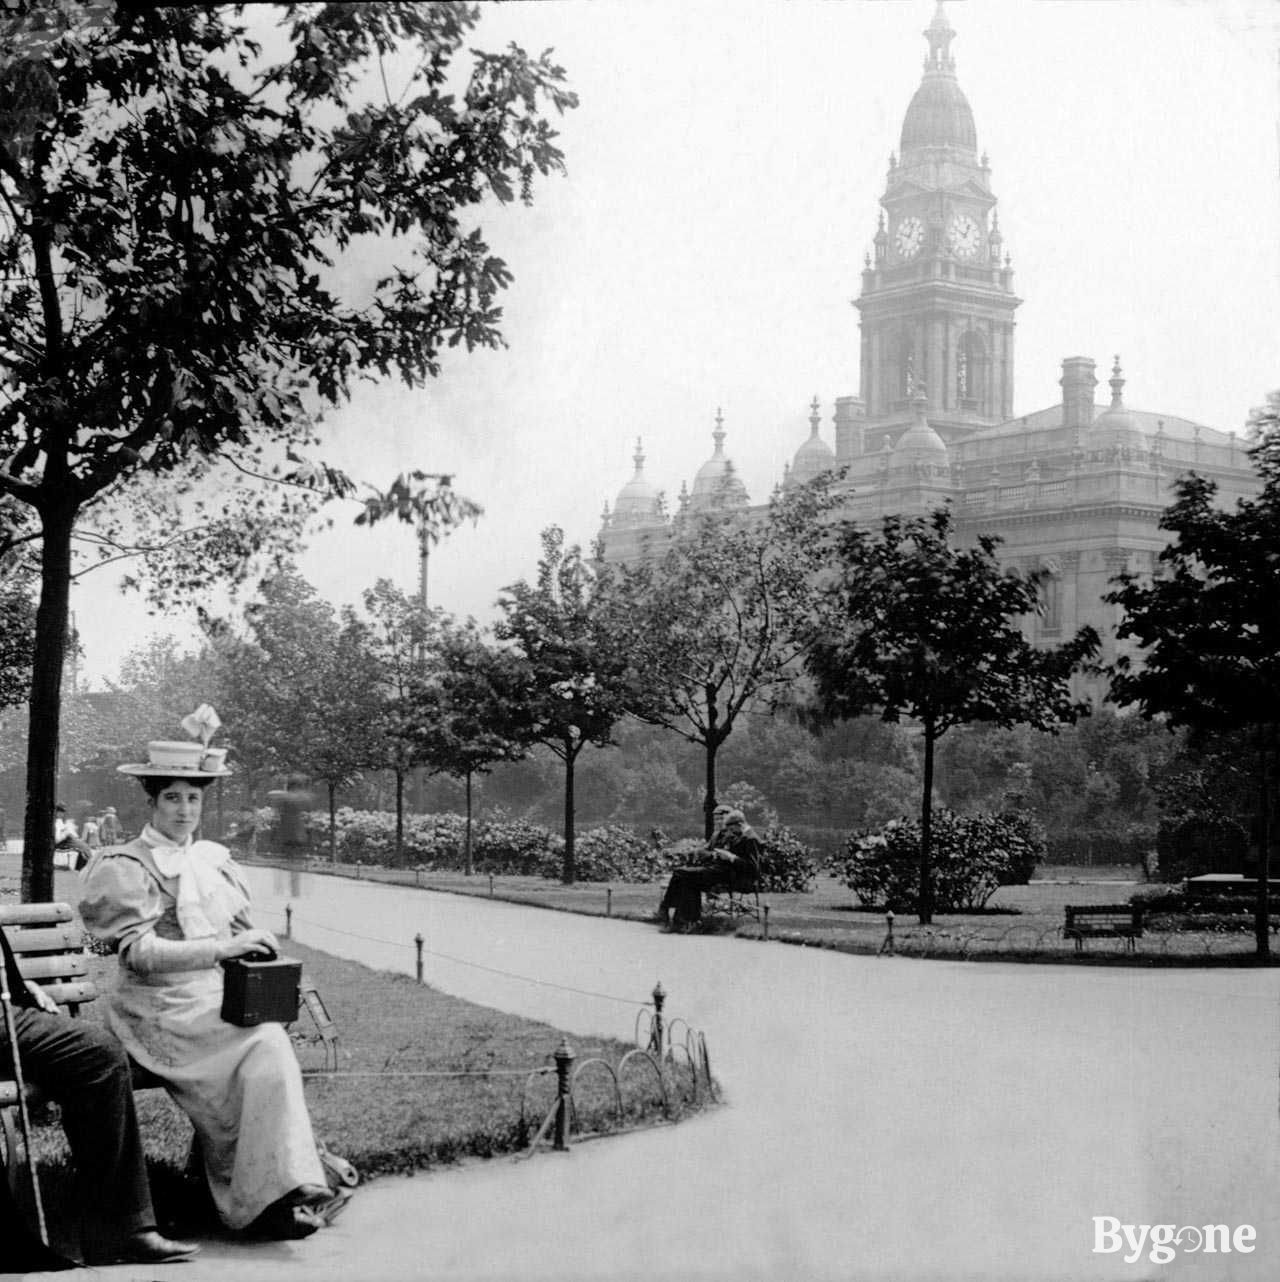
740 898
1103 921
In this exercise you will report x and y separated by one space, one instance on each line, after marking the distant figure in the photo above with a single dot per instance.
90 834
68 850
109 831
735 863
291 803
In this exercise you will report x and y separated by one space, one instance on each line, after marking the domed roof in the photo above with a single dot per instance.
716 483
639 502
1115 418
939 116
814 457
919 443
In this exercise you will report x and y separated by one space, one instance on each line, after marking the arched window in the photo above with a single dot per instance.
971 372
907 372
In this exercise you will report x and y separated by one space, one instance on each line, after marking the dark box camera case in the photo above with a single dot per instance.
260 991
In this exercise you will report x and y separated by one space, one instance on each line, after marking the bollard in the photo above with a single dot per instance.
608 902
887 946
564 1058
657 1039
288 921
491 885
765 924
417 875
417 943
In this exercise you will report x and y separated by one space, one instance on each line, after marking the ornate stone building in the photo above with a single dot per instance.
1074 488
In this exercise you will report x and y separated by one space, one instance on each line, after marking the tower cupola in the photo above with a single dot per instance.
939 114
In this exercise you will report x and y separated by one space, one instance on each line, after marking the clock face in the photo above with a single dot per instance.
964 236
909 236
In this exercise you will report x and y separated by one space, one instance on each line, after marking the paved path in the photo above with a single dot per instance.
888 1118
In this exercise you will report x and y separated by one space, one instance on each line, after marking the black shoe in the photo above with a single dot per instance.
150 1247
282 1222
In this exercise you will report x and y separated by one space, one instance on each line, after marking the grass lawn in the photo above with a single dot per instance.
1019 922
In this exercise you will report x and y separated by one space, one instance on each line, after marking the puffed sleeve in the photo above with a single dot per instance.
120 901
121 907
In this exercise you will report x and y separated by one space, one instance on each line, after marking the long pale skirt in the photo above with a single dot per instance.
241 1087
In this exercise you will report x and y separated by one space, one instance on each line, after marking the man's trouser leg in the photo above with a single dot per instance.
85 1070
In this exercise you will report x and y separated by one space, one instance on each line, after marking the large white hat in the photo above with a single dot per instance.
179 759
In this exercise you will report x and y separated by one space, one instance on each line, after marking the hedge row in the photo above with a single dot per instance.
515 847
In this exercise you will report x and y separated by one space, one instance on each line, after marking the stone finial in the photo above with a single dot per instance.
1117 386
718 435
814 419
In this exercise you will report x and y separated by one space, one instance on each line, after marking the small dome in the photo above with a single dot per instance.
639 502
716 483
1115 418
920 443
939 116
814 457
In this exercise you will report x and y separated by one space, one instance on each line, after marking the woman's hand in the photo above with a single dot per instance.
249 943
42 999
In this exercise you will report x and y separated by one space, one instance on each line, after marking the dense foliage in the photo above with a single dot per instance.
916 627
182 196
1209 629
973 856
718 624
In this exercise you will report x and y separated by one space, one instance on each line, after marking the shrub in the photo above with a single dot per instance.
973 855
514 847
789 864
609 853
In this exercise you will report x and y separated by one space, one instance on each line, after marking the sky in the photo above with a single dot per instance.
724 170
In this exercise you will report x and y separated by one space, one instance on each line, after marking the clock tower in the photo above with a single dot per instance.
937 297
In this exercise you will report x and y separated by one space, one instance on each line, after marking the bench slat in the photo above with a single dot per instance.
72 994
50 939
53 966
34 914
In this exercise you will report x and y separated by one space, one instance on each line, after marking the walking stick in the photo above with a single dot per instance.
24 1115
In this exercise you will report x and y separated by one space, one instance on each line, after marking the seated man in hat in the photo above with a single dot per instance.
736 862
85 1070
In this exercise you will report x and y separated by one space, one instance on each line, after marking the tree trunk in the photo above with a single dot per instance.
466 853
570 873
333 823
1262 901
46 705
399 773
711 742
926 830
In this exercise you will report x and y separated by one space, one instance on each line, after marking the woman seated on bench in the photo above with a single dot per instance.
173 908
735 852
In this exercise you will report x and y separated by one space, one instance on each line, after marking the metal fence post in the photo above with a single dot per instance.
765 931
417 943
608 901
887 946
564 1058
288 921
491 885
657 1039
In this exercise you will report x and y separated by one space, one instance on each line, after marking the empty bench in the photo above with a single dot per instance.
1102 921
